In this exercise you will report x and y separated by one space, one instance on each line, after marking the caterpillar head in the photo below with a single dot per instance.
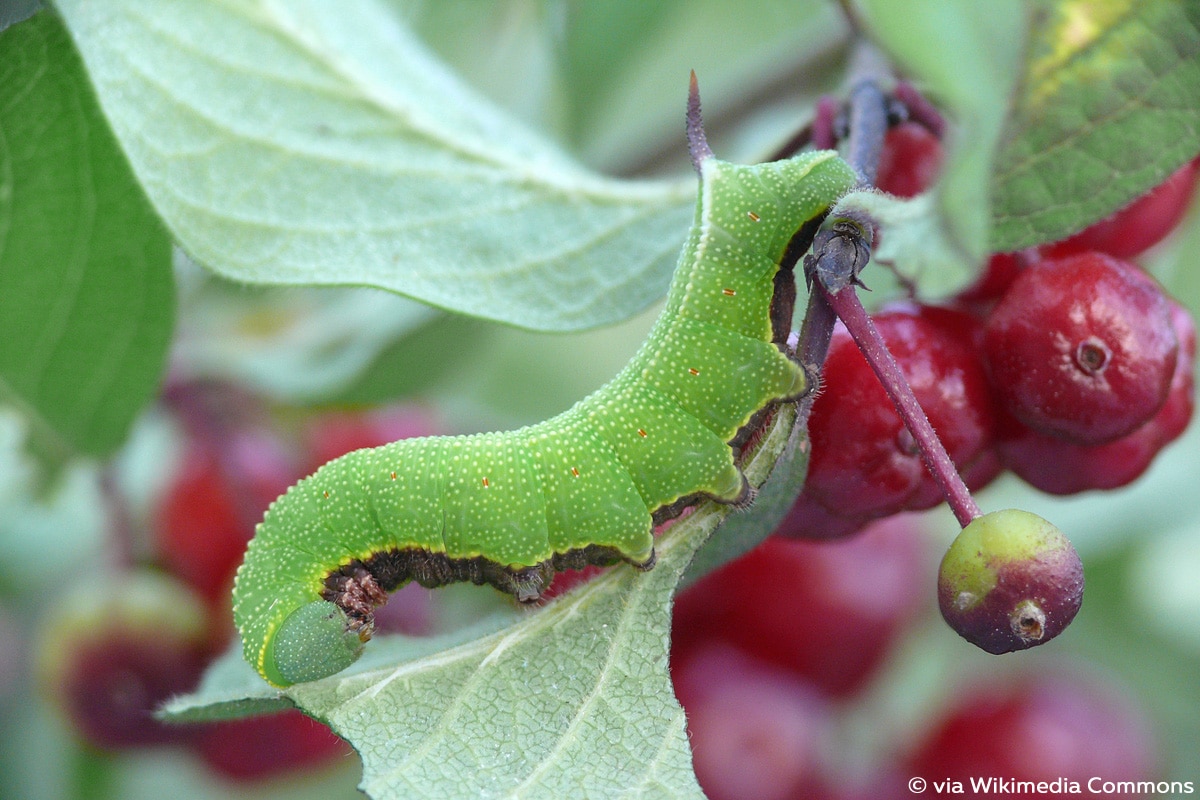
314 641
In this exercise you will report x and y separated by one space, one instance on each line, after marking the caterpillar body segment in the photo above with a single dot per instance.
510 508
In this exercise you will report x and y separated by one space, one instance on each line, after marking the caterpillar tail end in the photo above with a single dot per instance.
314 641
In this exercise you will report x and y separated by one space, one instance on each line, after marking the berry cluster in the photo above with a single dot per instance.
1067 365
113 656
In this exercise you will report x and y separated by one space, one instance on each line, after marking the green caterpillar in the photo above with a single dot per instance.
509 509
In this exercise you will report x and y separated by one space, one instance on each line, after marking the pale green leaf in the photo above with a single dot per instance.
1109 106
316 143
86 293
913 245
298 344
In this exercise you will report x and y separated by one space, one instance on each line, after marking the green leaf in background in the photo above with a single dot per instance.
967 56
1109 107
625 62
320 144
571 701
299 344
86 292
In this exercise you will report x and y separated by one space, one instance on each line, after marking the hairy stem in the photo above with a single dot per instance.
849 308
841 253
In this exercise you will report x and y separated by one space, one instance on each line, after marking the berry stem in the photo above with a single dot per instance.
868 123
846 304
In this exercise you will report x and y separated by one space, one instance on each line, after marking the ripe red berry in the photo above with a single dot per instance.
257 748
209 510
828 611
1055 466
111 654
1081 348
998 274
1059 467
1138 226
808 519
910 160
1173 418
755 729
864 462
1042 727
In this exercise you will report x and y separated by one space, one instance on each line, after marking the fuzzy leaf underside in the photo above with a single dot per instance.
317 144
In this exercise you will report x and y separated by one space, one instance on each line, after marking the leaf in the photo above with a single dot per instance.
315 143
913 246
740 533
1110 106
86 293
573 700
14 11
623 63
967 56
299 344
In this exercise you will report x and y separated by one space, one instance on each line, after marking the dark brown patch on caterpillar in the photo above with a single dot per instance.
358 588
783 299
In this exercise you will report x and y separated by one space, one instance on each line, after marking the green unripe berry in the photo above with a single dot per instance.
1010 581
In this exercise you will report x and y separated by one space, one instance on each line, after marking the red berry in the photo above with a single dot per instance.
755 729
255 748
1173 418
209 511
567 580
111 654
1082 348
1060 467
998 274
864 462
1138 226
1040 728
983 470
910 160
828 611
808 519
334 434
